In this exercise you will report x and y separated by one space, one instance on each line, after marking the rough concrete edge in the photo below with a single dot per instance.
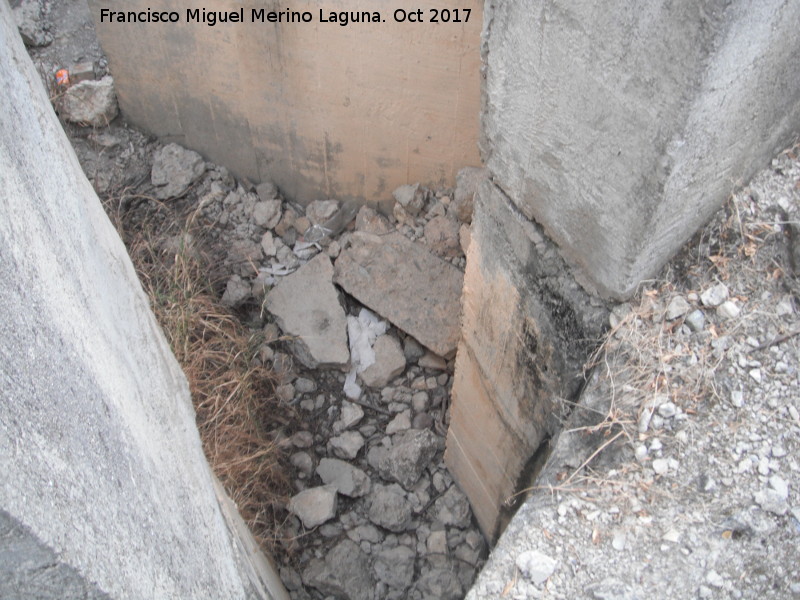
258 568
569 450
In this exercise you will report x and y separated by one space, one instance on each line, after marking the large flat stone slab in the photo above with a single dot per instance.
406 284
306 306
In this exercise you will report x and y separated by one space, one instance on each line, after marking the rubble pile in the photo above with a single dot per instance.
359 313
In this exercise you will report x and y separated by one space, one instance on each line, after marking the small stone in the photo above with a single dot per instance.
302 439
677 307
344 573
441 236
420 402
411 452
422 421
347 445
370 221
365 533
350 417
715 579
285 393
696 320
401 422
452 508
618 541
389 362
728 310
237 291
314 506
714 296
320 211
755 375
266 214
437 542
780 487
347 479
411 198
640 452
267 191
784 308
432 361
395 567
174 169
304 385
772 501
303 462
667 410
412 349
389 508
673 536
291 578
660 466
536 566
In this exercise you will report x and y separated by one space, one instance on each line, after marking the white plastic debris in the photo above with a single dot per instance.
362 332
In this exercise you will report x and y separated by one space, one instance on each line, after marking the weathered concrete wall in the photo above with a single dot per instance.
105 491
620 127
321 110
614 131
526 327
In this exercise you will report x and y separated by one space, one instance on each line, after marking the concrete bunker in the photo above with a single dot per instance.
554 242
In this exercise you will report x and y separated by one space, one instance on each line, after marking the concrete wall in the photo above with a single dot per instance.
322 110
620 127
105 491
526 327
613 130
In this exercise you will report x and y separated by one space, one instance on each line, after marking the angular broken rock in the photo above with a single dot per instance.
91 103
344 573
405 283
306 306
347 479
174 169
389 508
441 236
411 198
347 445
267 213
536 566
395 567
319 211
452 508
389 362
410 453
370 221
314 506
236 291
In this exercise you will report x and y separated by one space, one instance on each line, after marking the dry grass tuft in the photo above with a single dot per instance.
233 395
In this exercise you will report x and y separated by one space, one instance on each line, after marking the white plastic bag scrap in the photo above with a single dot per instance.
362 332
